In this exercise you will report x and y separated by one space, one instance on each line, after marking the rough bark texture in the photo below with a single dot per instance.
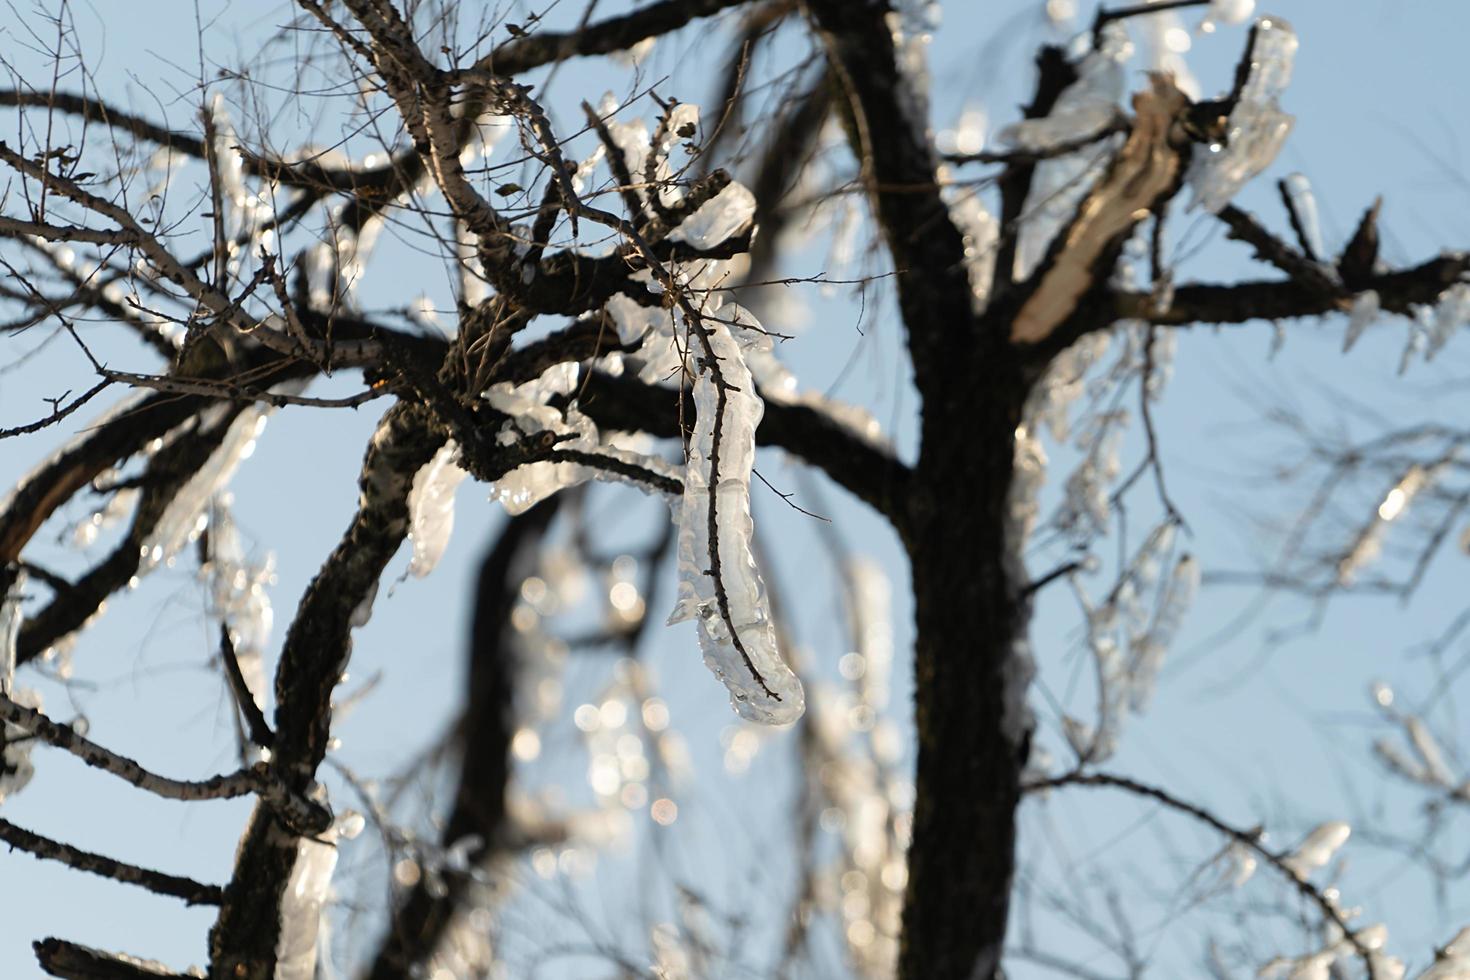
972 743
318 643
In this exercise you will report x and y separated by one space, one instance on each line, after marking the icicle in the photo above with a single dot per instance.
305 898
1304 203
15 744
1257 127
238 595
729 602
1369 542
872 609
362 613
1364 312
982 233
1029 473
1452 313
11 618
1147 655
180 521
1318 848
1426 746
431 508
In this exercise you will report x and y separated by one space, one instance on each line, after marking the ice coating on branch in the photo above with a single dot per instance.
872 623
238 596
526 486
15 747
431 508
362 613
1147 651
1450 314
304 899
1231 11
1304 203
1059 185
1086 106
527 405
778 384
1257 127
1360 318
1318 848
1452 961
11 618
981 233
725 214
1369 542
183 518
719 585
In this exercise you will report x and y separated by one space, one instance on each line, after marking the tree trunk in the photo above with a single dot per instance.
970 679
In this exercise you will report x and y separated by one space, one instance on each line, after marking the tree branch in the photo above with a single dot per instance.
73 961
191 891
870 474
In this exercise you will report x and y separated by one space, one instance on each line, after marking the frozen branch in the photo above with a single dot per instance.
259 779
73 961
191 891
1251 839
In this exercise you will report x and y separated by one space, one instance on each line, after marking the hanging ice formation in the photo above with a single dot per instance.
722 350
719 585
431 509
305 898
1256 128
1058 185
238 597
15 748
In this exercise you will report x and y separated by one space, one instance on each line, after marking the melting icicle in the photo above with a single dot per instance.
362 613
1369 541
1304 203
1451 313
431 509
307 891
1147 654
982 235
238 595
1364 312
1318 848
15 747
10 622
729 601
1257 127
181 519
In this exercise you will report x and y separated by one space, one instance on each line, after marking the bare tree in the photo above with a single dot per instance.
614 286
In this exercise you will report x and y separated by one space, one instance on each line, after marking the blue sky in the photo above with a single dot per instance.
1274 733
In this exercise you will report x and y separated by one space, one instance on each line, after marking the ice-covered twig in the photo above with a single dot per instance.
255 724
1256 128
73 961
258 779
191 891
1251 839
